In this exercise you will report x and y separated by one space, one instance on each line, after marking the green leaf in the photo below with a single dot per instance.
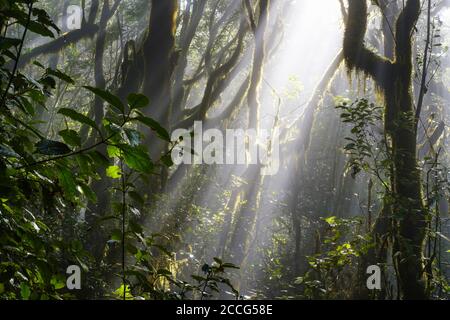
48 82
137 101
39 28
113 172
67 181
135 227
155 126
84 163
60 75
7 152
71 137
137 158
44 18
99 159
331 221
52 148
38 64
131 248
113 151
58 282
87 191
116 235
6 43
25 105
206 268
74 115
120 292
108 97
25 291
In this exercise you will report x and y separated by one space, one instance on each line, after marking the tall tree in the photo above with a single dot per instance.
394 80
158 49
247 216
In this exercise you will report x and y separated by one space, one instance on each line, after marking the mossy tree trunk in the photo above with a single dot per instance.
394 80
159 60
158 49
98 239
247 217
259 56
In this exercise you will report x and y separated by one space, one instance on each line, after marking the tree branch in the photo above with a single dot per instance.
88 30
357 56
406 23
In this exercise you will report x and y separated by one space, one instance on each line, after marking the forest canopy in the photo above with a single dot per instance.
224 149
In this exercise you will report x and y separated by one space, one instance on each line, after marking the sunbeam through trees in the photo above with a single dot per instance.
224 150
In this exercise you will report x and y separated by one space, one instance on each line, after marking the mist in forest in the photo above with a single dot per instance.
224 149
